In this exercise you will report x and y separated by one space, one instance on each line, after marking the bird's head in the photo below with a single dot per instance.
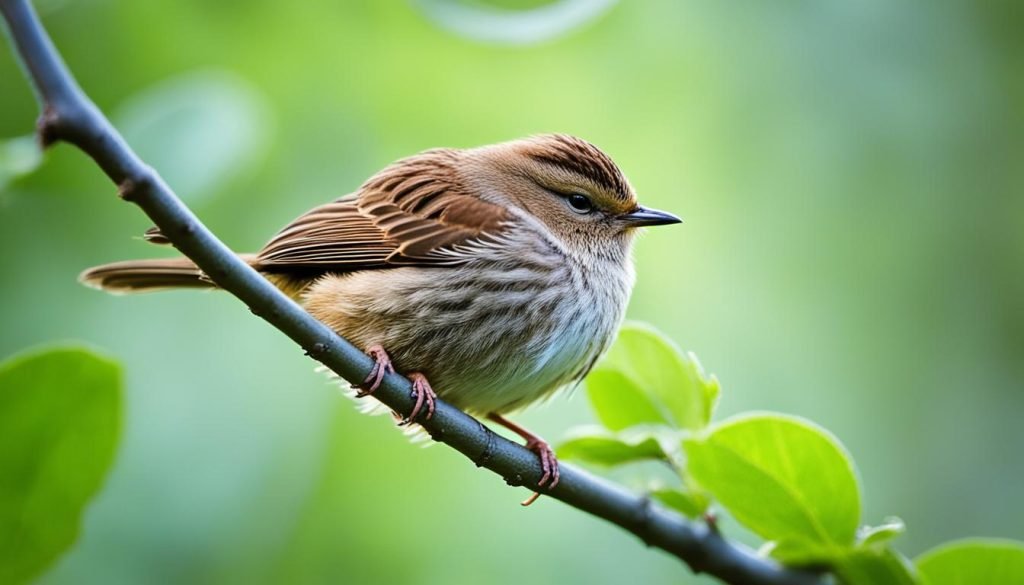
570 185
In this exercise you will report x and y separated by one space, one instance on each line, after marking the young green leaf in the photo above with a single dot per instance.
621 403
876 535
784 478
674 388
59 422
882 566
603 448
973 561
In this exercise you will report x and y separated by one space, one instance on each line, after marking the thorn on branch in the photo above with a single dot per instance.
127 189
141 182
63 119
48 126
643 519
317 350
711 519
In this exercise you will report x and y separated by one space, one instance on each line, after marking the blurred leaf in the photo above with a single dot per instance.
619 402
59 423
797 552
18 156
199 129
595 445
876 567
645 378
874 535
493 24
690 504
973 561
784 478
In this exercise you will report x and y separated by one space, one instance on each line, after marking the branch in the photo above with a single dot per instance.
69 116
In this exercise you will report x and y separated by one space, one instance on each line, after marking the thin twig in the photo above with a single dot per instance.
69 116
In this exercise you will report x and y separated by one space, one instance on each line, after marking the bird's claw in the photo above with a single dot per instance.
424 396
548 465
381 367
548 462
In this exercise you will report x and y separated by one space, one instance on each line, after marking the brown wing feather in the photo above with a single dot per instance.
332 234
405 215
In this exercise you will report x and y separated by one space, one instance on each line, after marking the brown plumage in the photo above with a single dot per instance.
403 215
499 273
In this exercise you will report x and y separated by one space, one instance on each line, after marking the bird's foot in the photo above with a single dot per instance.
548 462
424 396
381 367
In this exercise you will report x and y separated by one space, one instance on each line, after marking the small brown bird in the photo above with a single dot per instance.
499 273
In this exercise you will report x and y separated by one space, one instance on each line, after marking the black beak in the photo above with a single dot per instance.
643 216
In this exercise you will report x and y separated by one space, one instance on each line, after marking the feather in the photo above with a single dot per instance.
414 212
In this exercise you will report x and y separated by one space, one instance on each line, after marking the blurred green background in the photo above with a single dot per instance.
852 180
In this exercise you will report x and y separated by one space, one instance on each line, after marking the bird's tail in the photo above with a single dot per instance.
133 276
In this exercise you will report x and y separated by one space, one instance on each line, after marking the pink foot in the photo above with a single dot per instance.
381 367
424 396
548 461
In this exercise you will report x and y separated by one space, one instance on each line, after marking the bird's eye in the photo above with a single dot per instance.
580 203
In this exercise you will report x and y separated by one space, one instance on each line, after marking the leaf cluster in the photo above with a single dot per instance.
784 478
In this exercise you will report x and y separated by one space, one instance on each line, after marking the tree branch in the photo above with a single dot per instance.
68 115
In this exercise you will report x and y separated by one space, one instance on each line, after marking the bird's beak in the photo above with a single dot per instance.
643 216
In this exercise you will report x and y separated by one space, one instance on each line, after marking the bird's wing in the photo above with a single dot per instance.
412 213
328 236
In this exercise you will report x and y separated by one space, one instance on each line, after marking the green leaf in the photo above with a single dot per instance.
645 378
619 402
801 552
875 535
596 445
882 566
973 561
690 504
59 423
784 478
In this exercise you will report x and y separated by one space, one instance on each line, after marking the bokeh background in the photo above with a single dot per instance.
852 180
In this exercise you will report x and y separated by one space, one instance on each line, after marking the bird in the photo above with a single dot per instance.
490 276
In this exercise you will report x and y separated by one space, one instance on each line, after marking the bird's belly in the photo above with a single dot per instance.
484 348
500 372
